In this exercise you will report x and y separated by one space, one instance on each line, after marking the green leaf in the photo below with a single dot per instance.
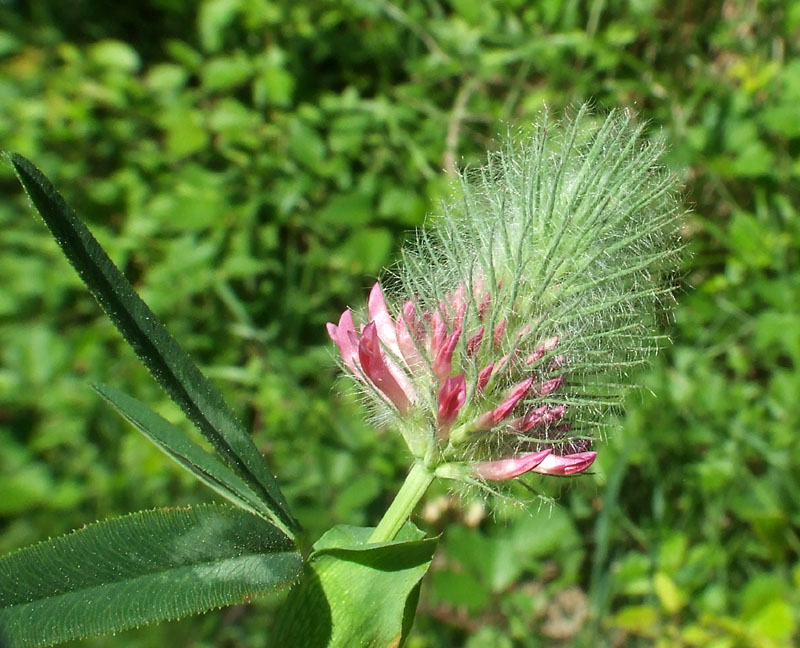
184 451
186 131
158 350
213 18
226 72
639 619
365 250
349 210
459 589
142 568
116 55
671 597
355 594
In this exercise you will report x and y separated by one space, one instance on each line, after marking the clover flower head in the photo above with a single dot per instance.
506 329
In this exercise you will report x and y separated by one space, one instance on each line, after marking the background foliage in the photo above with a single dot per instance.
251 164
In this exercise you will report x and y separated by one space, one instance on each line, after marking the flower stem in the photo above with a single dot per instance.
400 509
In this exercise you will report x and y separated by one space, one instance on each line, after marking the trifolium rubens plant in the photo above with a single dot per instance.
495 347
500 341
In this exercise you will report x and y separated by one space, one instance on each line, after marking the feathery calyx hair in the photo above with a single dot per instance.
505 333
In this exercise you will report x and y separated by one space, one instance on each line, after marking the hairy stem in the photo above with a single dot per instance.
400 510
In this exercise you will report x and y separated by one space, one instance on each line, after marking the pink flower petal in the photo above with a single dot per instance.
504 469
387 334
545 347
490 419
409 336
474 343
375 368
548 386
438 333
498 332
544 415
502 362
484 375
341 336
458 320
443 360
379 313
483 306
452 396
566 465
458 305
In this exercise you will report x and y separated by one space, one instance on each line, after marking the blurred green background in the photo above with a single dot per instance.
252 164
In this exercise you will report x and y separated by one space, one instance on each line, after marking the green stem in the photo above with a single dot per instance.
400 510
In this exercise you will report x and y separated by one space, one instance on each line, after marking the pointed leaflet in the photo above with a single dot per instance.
145 567
185 452
158 350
